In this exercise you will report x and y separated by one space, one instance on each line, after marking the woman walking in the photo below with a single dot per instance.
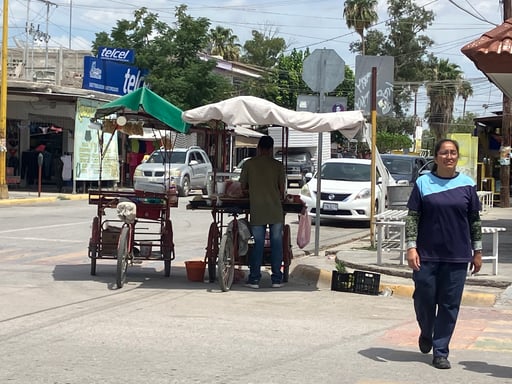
443 234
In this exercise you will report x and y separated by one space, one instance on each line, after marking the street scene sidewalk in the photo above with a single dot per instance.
483 289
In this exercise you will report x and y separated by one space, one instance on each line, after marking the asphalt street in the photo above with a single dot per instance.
62 325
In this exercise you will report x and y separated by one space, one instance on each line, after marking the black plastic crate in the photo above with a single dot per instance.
366 282
342 282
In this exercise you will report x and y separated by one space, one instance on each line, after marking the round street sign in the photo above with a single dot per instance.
323 70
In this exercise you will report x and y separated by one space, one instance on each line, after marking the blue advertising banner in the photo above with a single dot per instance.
111 77
116 54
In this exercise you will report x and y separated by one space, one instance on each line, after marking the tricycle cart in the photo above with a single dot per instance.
149 235
142 228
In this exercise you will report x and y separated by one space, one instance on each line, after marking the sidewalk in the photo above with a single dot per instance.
31 197
483 289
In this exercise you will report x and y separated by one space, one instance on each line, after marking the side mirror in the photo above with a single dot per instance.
308 176
193 162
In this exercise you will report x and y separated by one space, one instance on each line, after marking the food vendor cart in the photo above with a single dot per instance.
142 229
222 251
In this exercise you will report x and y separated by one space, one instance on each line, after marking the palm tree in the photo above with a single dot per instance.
224 43
442 87
465 90
360 15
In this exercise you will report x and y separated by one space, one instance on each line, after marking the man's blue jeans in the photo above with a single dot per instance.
256 256
437 297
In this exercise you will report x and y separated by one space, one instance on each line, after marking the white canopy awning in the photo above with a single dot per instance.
250 110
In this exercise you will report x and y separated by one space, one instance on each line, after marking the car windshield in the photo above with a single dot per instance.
161 157
346 172
299 157
398 166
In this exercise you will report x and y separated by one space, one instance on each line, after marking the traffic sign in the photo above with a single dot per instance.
323 70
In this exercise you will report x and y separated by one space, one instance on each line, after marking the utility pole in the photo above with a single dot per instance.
70 21
4 192
46 35
505 129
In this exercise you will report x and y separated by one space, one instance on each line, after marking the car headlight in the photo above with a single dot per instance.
305 191
364 194
173 172
138 172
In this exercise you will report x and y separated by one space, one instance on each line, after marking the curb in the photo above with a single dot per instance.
43 199
322 279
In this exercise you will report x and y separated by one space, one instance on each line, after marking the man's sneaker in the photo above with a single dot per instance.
252 285
424 344
277 285
441 362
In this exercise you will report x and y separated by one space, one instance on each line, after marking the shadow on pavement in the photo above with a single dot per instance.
153 277
387 354
491 369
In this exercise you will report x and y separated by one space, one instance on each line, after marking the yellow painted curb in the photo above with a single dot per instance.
322 279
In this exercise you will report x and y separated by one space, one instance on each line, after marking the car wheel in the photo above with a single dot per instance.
185 187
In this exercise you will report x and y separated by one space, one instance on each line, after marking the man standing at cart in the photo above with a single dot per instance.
263 179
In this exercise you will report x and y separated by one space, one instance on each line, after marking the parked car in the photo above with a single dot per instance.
187 168
346 190
404 167
299 162
238 169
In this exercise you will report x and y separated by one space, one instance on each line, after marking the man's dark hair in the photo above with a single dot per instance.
266 142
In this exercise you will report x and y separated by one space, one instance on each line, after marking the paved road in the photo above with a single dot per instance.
61 325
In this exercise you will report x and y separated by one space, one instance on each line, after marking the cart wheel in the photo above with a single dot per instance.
287 252
212 250
167 247
226 262
286 273
122 256
167 268
93 253
93 244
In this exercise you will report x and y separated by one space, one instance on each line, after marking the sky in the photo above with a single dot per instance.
302 23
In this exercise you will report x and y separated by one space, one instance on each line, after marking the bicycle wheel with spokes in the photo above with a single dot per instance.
226 262
122 256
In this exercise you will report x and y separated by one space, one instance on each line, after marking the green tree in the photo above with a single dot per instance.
224 43
464 124
464 91
444 81
360 15
263 49
170 55
404 41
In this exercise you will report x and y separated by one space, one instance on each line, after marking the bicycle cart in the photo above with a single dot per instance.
145 234
131 226
225 239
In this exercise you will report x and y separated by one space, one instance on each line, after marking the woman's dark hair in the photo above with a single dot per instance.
438 146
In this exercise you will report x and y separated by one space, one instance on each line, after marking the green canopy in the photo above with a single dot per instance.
145 105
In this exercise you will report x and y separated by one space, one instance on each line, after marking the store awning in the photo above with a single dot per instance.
145 105
492 54
250 110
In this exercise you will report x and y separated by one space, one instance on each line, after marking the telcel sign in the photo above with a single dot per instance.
116 54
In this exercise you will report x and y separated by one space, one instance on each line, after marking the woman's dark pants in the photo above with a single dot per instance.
438 287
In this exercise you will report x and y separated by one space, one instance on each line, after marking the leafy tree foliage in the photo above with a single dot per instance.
445 78
406 44
224 43
263 49
387 142
171 55
360 15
